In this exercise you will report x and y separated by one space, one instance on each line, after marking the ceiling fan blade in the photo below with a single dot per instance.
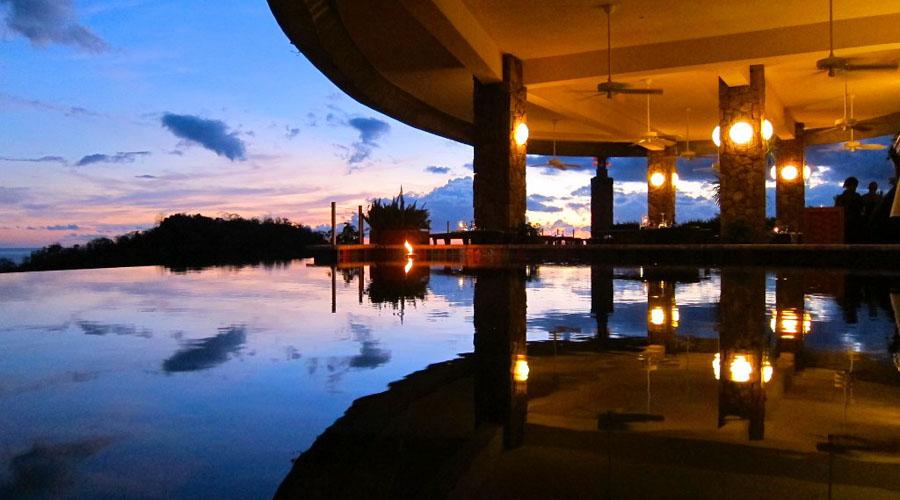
872 147
872 67
639 91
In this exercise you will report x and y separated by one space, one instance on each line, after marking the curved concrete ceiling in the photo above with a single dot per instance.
415 60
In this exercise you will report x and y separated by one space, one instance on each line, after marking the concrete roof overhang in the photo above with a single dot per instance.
415 60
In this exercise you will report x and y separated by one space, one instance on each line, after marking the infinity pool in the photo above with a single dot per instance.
142 382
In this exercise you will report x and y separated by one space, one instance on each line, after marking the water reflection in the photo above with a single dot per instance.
629 363
207 353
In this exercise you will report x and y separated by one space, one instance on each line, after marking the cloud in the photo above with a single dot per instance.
582 191
213 135
291 132
120 157
46 106
371 130
146 176
12 196
207 353
451 202
42 159
537 203
51 21
437 170
63 227
47 470
97 328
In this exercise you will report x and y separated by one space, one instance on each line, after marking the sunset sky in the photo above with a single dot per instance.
117 113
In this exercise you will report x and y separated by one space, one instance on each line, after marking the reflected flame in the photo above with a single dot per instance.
408 266
740 368
657 316
789 322
676 316
520 369
716 366
767 371
408 247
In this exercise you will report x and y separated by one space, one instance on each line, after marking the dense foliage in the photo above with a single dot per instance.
183 240
396 215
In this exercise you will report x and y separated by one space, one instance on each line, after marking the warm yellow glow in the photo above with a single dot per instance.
806 172
657 179
674 179
716 366
520 369
807 323
408 266
789 172
462 225
408 247
741 133
521 133
740 368
767 130
676 316
657 316
773 172
767 371
717 136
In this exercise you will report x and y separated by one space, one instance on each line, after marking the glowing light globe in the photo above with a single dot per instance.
767 130
717 136
657 179
789 172
521 133
741 133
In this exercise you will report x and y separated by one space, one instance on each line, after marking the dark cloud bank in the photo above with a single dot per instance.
44 22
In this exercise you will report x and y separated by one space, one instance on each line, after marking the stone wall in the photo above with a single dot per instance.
661 199
742 168
790 196
499 163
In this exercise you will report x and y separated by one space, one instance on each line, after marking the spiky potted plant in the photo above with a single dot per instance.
394 222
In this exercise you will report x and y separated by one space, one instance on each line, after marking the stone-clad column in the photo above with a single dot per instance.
742 167
790 198
661 188
601 200
499 163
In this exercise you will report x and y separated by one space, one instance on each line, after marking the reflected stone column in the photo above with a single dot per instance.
661 179
601 298
742 167
499 162
789 321
662 314
501 366
742 344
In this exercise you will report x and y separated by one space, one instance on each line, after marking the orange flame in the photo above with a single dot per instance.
408 266
409 248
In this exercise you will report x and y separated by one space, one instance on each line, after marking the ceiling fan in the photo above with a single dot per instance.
652 140
849 123
609 87
555 161
687 153
832 64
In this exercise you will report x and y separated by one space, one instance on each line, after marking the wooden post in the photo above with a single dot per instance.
333 224
362 227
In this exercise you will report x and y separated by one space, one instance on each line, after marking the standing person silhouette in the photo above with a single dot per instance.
871 200
852 203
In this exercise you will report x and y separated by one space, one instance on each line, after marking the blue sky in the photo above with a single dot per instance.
117 113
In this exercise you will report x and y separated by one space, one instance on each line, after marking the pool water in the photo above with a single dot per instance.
139 382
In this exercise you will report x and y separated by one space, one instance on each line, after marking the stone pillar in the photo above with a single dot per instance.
742 336
500 389
499 163
601 200
789 321
742 168
790 198
661 197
